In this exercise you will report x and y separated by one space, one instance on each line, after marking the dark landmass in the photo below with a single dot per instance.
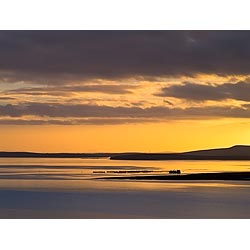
232 176
54 155
237 152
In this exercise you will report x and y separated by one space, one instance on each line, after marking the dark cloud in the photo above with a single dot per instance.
246 106
77 110
59 56
45 111
33 122
91 121
69 90
102 88
168 102
6 98
199 92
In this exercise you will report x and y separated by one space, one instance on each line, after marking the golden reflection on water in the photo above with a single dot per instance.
77 174
116 186
187 166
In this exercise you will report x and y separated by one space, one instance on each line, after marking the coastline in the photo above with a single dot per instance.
233 176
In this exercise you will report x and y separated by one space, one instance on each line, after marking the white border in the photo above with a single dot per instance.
124 234
129 14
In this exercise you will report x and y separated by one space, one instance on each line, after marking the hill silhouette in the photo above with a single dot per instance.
237 152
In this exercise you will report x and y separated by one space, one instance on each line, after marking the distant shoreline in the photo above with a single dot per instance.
53 155
238 152
223 176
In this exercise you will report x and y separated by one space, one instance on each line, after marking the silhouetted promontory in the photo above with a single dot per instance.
238 152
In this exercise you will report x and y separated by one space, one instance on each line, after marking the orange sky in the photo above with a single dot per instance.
147 134
155 137
114 91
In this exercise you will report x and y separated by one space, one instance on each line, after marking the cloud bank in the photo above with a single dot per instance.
112 77
201 92
56 56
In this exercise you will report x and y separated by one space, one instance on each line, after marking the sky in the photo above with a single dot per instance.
114 91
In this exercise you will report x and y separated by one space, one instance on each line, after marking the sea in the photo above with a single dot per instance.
79 188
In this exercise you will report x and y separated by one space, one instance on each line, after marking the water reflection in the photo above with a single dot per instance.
66 188
45 168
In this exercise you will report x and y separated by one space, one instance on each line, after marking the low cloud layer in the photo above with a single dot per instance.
112 77
68 90
200 92
72 121
91 114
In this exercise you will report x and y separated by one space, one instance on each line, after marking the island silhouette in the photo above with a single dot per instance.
237 152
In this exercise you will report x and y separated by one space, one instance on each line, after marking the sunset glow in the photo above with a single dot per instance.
78 91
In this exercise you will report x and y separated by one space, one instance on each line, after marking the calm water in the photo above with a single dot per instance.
68 188
54 168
